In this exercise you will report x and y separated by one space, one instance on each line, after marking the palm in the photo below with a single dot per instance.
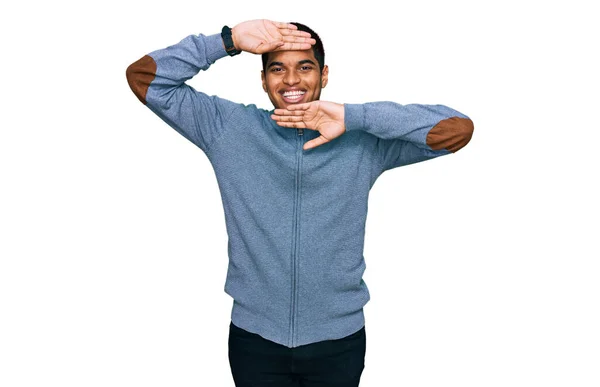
325 117
261 36
322 118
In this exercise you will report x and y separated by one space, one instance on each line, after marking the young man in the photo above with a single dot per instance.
295 200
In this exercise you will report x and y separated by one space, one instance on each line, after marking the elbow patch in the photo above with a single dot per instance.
451 134
139 76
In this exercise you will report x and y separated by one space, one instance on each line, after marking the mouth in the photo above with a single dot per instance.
293 96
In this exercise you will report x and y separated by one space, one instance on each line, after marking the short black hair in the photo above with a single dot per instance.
317 48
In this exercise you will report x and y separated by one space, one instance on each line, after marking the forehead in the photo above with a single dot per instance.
291 57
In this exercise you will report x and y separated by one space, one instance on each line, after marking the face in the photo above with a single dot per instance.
293 77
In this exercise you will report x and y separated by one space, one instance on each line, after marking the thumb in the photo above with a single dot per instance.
315 143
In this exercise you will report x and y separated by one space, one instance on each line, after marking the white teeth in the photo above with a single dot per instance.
293 93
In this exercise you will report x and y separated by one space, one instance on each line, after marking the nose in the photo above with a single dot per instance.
291 78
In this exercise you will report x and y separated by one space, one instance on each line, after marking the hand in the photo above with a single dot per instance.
260 36
325 117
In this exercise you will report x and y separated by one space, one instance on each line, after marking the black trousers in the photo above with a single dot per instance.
257 362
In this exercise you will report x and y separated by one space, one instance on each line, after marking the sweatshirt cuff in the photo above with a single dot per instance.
354 116
214 48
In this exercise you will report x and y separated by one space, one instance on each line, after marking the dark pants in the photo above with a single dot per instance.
257 362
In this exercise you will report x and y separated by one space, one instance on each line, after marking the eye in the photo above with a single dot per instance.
306 68
276 69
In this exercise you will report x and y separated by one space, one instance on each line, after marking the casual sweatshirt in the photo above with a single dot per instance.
295 218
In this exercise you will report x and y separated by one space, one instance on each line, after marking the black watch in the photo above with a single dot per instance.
228 41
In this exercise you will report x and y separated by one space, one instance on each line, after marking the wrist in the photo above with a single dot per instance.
234 38
228 42
342 115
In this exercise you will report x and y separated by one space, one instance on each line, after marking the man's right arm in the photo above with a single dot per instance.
158 81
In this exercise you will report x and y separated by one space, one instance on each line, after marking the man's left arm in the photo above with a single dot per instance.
406 134
409 134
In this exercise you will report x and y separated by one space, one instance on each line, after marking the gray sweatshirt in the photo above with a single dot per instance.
295 218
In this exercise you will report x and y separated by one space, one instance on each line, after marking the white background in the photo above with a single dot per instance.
482 265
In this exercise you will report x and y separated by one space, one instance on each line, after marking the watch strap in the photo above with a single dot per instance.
228 41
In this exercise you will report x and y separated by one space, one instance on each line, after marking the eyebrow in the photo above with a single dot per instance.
304 61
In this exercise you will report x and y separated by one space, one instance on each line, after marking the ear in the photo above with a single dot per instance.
324 76
264 81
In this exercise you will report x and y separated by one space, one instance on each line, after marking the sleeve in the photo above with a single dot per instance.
408 134
158 81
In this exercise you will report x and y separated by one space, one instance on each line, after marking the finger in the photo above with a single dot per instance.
299 106
295 47
300 34
287 118
299 39
273 45
296 125
281 25
285 112
315 143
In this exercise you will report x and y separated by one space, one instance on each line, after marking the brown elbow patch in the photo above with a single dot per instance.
139 76
451 134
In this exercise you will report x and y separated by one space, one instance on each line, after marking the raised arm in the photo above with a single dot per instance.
405 134
158 81
158 78
410 133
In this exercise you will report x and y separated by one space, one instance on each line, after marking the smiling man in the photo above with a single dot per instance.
291 77
295 201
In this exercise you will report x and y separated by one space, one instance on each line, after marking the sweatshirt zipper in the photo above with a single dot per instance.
294 298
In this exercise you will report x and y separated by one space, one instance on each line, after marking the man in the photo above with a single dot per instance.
295 200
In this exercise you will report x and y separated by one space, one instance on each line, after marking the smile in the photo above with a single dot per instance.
293 96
